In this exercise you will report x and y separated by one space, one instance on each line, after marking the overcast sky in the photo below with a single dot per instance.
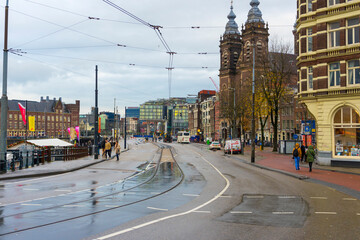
58 47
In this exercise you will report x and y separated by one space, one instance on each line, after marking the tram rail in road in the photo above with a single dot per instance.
139 183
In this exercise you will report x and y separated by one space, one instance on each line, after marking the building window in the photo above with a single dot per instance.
347 132
333 2
310 77
334 34
334 74
353 72
309 40
309 5
353 33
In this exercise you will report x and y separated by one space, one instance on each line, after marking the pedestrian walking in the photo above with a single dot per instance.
103 148
297 155
107 149
310 156
303 153
117 150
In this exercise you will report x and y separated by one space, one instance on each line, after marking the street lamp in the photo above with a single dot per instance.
4 98
253 109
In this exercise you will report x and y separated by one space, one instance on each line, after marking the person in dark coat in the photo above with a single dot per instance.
310 156
303 151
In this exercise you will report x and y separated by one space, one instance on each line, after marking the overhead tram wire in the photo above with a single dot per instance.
158 33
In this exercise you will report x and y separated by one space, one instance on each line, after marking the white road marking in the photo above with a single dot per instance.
286 197
225 196
255 197
175 215
62 190
241 212
155 193
159 209
112 206
349 199
73 206
202 212
327 213
283 213
35 179
191 195
322 198
30 189
30 204
130 193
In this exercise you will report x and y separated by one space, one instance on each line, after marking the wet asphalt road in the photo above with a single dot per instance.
218 198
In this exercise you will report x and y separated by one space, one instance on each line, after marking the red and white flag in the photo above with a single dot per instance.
23 112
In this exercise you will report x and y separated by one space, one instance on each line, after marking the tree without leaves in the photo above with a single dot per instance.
277 69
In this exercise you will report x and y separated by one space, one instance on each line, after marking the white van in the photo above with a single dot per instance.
233 145
183 137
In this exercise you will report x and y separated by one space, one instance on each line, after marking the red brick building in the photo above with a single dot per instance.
52 118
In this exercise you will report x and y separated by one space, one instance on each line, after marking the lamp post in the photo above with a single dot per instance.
4 98
253 109
96 117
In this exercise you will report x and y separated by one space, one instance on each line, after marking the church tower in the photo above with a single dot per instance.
255 34
230 51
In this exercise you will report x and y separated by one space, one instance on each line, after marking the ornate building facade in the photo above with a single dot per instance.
328 47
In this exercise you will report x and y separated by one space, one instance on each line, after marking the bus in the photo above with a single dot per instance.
183 137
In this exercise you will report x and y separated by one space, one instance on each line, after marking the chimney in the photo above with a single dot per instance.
41 99
60 99
47 98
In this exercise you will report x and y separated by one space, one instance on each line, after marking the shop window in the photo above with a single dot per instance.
347 132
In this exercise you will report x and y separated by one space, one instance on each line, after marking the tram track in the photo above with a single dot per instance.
149 181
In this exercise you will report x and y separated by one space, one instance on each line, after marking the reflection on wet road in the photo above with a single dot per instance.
18 218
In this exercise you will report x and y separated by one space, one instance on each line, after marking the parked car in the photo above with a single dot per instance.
232 146
215 146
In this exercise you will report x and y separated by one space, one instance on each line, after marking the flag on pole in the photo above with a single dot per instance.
23 112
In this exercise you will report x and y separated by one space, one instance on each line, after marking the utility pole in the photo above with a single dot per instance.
253 109
4 98
115 119
125 131
96 118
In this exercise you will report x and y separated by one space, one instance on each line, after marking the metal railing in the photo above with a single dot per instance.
17 159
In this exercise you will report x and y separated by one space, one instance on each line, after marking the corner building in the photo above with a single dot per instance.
328 48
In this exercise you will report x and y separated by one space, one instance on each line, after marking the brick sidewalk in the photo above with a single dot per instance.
347 177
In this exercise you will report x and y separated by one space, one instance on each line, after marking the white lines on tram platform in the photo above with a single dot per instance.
191 195
201 211
326 213
255 197
286 197
241 212
349 199
30 189
283 213
321 198
158 209
30 204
